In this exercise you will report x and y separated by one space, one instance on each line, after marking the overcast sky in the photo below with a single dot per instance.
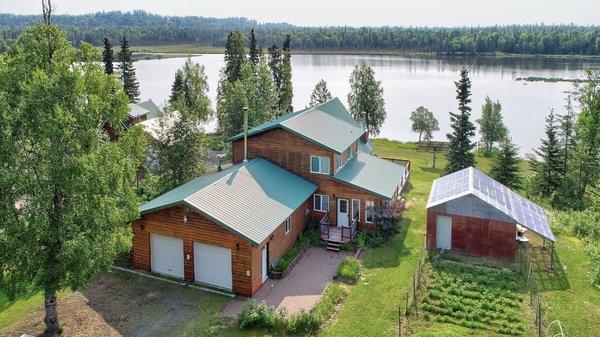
347 12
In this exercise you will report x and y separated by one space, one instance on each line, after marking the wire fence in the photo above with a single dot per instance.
526 268
412 294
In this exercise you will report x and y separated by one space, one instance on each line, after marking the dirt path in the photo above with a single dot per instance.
121 304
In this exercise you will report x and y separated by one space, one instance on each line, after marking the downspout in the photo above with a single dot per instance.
245 134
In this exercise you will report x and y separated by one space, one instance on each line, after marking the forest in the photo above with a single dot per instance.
143 28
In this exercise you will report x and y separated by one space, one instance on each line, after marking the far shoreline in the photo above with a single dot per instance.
148 52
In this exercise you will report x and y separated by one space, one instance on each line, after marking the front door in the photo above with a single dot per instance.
443 233
342 210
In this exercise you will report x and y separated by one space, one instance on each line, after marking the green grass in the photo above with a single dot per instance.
349 269
12 310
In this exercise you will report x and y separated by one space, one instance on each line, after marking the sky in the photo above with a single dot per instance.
448 13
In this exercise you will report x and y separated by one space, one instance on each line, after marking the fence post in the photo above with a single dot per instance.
414 290
539 316
399 321
406 307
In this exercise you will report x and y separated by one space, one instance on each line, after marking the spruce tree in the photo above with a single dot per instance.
567 134
130 83
548 171
320 94
286 93
460 153
235 56
108 57
276 66
254 52
506 167
177 86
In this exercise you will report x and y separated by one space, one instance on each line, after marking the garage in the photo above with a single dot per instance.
166 255
212 265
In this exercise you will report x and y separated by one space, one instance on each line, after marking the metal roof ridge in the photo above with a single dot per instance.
243 164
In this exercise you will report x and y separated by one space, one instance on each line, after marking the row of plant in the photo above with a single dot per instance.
262 317
474 297
309 236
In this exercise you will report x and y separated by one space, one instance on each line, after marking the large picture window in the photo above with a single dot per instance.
369 215
321 203
319 164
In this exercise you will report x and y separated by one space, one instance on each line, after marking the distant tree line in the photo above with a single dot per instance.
143 28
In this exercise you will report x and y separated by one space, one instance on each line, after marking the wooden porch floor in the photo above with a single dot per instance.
335 235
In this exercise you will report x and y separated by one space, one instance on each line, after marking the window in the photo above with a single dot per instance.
321 203
369 216
288 225
319 164
355 209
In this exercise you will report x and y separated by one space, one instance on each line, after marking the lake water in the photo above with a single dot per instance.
409 82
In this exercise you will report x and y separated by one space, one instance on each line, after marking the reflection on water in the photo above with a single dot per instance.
410 82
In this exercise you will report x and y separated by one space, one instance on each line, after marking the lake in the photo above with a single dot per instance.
409 82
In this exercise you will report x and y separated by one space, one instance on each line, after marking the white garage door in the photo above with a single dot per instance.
212 265
166 255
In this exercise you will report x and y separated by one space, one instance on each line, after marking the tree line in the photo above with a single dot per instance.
144 28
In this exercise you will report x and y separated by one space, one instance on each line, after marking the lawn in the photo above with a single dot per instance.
370 309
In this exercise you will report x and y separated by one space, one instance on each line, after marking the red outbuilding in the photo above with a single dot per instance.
471 213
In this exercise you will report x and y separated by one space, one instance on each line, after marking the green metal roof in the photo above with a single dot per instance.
328 124
252 198
372 174
144 108
365 146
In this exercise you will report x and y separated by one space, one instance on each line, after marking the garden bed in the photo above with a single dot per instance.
475 297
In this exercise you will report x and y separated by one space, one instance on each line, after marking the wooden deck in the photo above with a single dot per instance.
337 234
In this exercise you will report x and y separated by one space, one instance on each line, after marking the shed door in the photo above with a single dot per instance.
166 255
443 234
212 265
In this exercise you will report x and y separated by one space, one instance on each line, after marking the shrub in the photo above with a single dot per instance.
304 322
593 251
349 269
386 217
287 258
254 315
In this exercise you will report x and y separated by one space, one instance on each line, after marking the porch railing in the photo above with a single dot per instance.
324 226
348 232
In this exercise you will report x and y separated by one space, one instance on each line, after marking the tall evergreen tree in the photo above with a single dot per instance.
276 66
320 94
506 166
586 154
286 93
366 98
491 126
566 132
548 171
460 153
253 51
176 87
235 56
130 83
108 57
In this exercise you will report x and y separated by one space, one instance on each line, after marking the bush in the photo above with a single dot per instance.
304 322
260 316
255 315
287 258
593 251
349 269
386 217
314 234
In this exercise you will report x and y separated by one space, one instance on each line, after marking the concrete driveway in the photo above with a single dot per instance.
301 288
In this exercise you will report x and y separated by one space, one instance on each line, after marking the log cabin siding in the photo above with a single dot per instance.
246 261
293 152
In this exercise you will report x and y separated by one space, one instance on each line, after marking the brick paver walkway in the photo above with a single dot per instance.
303 286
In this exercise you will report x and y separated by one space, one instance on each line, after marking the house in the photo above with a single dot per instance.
471 213
142 111
225 229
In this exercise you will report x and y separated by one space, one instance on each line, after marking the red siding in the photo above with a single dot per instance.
476 236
